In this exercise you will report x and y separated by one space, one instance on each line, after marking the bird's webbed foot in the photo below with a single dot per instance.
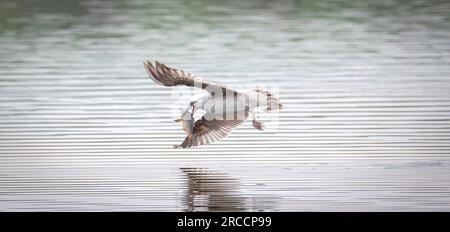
258 125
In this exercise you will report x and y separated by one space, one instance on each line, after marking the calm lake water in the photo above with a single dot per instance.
365 87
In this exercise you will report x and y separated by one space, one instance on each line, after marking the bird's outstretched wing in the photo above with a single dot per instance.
208 131
167 76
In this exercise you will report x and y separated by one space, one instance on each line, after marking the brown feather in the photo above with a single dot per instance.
208 131
167 76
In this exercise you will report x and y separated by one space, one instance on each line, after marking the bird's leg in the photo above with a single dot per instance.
257 124
191 106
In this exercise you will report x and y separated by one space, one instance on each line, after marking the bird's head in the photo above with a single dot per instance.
267 100
274 104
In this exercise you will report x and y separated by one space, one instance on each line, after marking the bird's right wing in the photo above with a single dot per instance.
208 131
167 76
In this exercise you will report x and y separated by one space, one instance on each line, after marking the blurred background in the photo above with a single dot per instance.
365 87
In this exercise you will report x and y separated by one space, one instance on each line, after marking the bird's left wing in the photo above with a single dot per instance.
167 76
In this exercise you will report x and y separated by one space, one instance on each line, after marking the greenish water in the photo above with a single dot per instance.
365 87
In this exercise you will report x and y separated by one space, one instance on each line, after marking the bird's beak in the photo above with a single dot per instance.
177 120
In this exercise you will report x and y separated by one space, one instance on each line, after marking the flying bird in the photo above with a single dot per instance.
223 109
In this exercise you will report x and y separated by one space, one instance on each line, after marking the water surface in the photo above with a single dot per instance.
365 87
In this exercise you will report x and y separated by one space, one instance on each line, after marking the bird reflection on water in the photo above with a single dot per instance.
209 190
